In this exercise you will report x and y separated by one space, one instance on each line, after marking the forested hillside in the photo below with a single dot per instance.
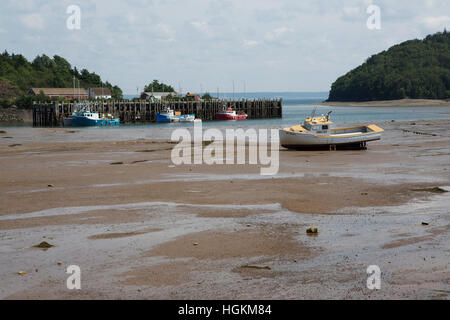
18 75
415 69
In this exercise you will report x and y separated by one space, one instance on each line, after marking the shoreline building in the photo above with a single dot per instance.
157 96
99 93
68 93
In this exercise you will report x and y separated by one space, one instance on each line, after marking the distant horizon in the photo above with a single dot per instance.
246 92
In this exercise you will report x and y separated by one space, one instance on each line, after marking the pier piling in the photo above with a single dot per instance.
53 114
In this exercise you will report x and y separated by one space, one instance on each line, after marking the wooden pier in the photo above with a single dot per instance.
52 114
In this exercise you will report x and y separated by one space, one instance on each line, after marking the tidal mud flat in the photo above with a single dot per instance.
141 228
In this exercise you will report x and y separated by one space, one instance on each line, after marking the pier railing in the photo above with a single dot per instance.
52 114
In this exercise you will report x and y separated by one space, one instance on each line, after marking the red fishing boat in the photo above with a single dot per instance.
230 114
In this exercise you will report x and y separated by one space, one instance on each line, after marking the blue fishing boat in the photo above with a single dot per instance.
87 118
83 117
167 115
187 118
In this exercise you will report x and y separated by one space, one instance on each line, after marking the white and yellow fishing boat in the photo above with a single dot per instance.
321 133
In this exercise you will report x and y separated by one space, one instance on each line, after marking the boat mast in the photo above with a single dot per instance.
233 90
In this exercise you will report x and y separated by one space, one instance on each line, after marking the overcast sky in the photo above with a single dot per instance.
270 45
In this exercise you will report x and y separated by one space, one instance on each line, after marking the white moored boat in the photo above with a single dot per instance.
320 132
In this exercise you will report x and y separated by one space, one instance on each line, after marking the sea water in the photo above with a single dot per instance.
296 106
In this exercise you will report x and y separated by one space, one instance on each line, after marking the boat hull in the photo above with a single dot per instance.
86 122
222 116
187 118
166 118
308 140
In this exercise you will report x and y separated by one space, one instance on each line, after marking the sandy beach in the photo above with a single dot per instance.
392 103
140 227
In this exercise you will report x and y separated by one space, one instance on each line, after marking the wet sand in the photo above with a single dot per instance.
141 228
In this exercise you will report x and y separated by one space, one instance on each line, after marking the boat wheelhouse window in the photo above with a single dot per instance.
325 127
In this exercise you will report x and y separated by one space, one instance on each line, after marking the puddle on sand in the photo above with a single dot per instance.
73 246
360 237
150 206
345 246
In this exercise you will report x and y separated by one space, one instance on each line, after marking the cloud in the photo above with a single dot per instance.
436 23
165 32
281 36
33 21
200 25
250 43
23 4
131 18
203 27
32 39
277 33
429 3
126 42
352 13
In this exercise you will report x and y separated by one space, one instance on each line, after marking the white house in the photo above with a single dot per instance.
156 95
99 93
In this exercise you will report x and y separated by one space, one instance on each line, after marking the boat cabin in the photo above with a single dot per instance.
167 112
317 124
228 111
87 114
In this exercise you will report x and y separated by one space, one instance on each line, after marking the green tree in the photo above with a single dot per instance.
156 86
43 72
206 96
413 69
